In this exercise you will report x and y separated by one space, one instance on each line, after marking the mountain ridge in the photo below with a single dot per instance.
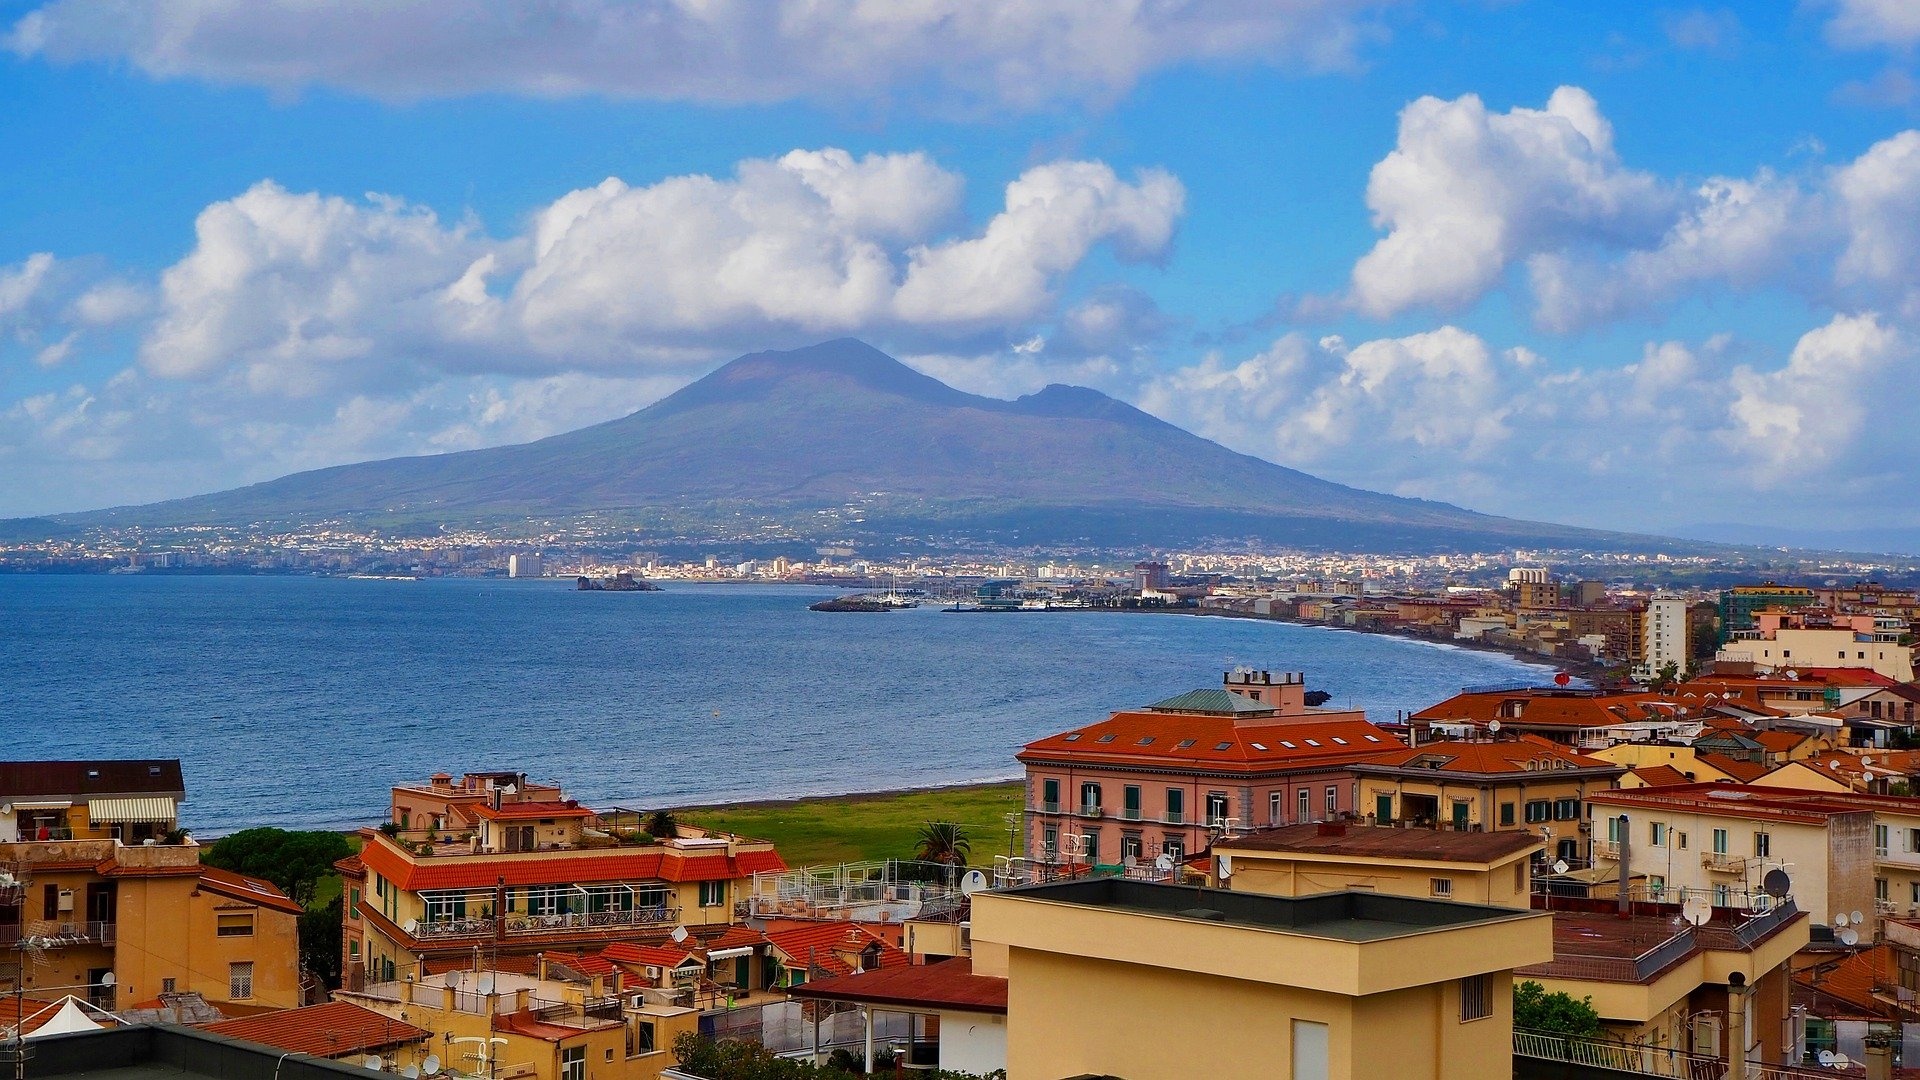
845 437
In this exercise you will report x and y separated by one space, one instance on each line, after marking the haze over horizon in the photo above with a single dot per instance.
1472 253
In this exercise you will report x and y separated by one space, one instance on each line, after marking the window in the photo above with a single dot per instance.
1175 847
1476 997
167 985
1333 801
1093 845
1276 806
1722 896
1566 810
1442 887
1089 797
1506 813
1050 796
1539 810
1306 805
640 1038
713 894
1880 836
609 1058
1657 833
1131 802
1720 843
233 925
353 950
1310 1057
354 906
1656 886
1880 891
240 981
1130 847
1216 806
1050 841
1762 845
573 1063
1176 805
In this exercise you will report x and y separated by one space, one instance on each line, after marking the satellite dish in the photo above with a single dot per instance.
1696 910
431 1065
485 986
411 926
1849 937
372 1061
972 883
679 935
108 979
1776 883
1493 727
1559 866
6 808
1840 920
1163 862
411 1072
1859 919
1826 1058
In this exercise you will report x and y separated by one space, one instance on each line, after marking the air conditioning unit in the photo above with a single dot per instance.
637 1001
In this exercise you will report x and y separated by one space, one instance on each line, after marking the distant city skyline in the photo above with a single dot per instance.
1635 269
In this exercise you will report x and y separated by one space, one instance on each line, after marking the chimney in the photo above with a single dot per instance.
1626 869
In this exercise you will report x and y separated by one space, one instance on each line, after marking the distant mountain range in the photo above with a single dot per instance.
839 440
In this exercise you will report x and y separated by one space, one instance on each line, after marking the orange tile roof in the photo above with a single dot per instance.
1661 776
820 943
1779 741
1851 981
330 1030
669 954
1487 758
1214 743
522 810
351 866
948 984
251 889
1745 801
582 962
652 863
1549 708
1739 768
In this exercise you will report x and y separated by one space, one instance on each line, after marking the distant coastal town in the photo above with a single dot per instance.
1712 849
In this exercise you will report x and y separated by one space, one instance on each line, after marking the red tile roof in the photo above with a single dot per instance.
529 1024
1506 756
331 1030
1744 801
1212 743
351 866
667 955
819 944
652 863
949 984
251 889
523 810
1549 708
85 779
1739 768
1661 776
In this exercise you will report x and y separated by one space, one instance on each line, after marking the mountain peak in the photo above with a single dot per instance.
838 365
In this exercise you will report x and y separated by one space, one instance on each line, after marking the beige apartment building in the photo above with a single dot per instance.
1489 868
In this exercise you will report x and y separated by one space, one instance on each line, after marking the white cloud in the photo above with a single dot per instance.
1801 419
306 294
1865 24
1879 193
21 285
1465 192
1018 53
1715 31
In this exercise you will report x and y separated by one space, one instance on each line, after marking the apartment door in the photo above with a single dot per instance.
1460 811
1382 809
102 903
100 995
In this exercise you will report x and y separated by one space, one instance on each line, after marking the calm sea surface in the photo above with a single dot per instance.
299 701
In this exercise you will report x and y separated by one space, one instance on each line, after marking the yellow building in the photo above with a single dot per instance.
1336 985
1844 851
547 1025
1303 860
1525 783
517 876
116 902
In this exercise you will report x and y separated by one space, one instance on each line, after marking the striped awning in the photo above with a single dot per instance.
42 804
123 811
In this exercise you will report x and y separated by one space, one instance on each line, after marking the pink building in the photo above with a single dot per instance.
1153 780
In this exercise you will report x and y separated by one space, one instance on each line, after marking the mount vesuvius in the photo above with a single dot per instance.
839 440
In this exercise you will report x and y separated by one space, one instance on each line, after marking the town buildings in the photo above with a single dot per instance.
1666 645
1156 780
520 871
115 902
1490 868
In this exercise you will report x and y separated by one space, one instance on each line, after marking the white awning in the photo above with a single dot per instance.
69 1018
42 804
728 954
122 811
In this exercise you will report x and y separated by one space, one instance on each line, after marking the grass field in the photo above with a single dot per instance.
837 829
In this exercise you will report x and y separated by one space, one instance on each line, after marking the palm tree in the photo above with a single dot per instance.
943 842
662 826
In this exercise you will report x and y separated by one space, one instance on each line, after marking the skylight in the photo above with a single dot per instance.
1222 746
1146 740
1184 743
1338 741
1075 737
1313 742
1104 738
1288 745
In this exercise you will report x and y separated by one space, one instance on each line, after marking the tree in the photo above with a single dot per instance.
943 842
1553 1014
1666 677
294 861
320 937
662 825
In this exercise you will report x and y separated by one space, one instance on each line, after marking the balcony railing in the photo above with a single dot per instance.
1050 807
1175 817
591 920
441 929
60 935
1883 906
1089 810
1643 1060
1721 862
1909 859
1130 813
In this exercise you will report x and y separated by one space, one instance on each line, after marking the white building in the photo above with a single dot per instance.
1530 575
524 566
1666 636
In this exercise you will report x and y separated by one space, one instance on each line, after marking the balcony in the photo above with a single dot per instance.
591 920
1883 907
63 935
1606 849
1052 807
1088 810
1906 859
1721 862
1175 817
1130 813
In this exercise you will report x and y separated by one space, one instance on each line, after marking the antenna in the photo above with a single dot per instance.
431 1065
1859 919
1849 937
1840 920
1776 883
1696 909
972 883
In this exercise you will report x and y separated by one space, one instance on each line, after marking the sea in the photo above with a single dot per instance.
299 701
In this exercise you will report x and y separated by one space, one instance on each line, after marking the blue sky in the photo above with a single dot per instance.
1622 265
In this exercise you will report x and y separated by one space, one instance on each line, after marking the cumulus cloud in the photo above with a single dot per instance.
1866 24
1466 191
300 294
1798 420
1021 54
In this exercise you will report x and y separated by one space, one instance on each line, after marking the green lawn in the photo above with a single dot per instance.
815 832
328 887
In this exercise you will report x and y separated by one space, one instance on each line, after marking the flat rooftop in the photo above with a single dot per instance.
167 1052
1368 841
1341 916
